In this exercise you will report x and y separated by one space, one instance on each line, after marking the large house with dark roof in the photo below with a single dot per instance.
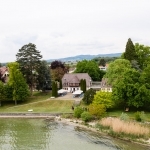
71 82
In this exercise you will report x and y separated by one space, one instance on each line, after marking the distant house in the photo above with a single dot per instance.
4 73
71 82
103 67
105 87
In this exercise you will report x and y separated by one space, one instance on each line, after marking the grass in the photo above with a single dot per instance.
55 106
39 102
131 114
130 129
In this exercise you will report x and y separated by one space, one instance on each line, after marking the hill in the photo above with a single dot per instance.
87 57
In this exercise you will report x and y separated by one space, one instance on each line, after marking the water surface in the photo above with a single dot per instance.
41 134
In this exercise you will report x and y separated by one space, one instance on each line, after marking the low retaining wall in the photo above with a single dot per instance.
29 115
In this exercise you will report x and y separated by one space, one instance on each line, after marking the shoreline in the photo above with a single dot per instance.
73 122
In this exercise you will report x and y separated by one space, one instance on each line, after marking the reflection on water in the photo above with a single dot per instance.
40 134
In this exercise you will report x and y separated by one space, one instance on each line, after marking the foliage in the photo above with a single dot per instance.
130 53
54 89
78 111
86 116
102 62
104 98
97 110
107 59
60 84
140 116
58 69
18 83
124 117
83 85
89 96
8 90
90 67
29 59
116 70
43 78
131 90
2 92
143 55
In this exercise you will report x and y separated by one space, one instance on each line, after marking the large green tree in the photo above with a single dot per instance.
43 78
116 70
130 53
18 83
143 55
29 59
90 67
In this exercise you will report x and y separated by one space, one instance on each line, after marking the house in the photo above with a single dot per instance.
105 87
4 73
103 67
71 82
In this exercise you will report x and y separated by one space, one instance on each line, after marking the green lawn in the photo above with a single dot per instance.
39 103
60 106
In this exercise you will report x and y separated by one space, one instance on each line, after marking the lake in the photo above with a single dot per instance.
43 134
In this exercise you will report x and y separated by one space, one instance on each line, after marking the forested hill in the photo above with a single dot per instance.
87 57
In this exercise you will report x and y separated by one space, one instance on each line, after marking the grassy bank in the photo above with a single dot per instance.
62 106
39 102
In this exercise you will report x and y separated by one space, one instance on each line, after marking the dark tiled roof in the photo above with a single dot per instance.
76 77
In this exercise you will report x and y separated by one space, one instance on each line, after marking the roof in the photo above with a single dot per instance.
3 71
76 77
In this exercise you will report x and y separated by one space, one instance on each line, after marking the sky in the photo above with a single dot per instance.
63 28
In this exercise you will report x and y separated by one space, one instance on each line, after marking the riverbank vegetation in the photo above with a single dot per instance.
122 128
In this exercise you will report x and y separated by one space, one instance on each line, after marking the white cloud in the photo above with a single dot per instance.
67 28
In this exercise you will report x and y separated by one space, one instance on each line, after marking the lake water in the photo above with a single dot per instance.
41 134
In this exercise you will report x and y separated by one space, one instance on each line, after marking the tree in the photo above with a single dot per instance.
130 53
29 59
84 85
116 70
2 92
89 96
58 69
54 89
60 84
143 55
104 98
97 110
131 90
102 62
43 78
89 67
18 83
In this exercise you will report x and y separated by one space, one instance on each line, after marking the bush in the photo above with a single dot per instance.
98 110
140 116
86 116
77 112
124 117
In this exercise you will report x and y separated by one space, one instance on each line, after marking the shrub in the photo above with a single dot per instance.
97 110
124 117
77 112
89 96
140 116
86 116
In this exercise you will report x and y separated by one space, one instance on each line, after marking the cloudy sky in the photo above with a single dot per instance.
62 28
